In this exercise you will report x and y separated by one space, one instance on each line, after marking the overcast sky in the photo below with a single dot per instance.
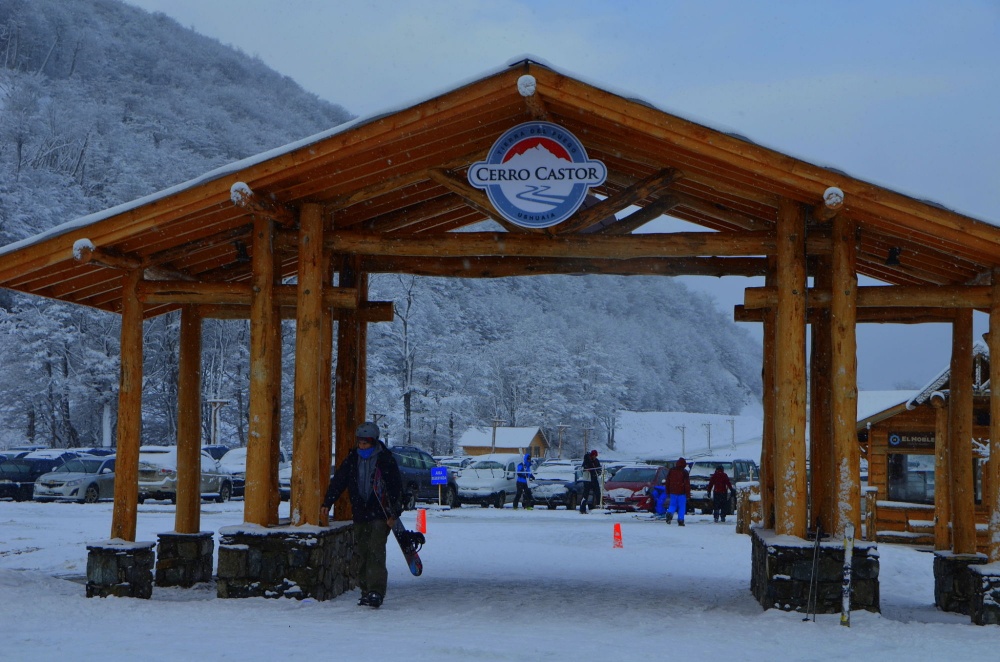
899 93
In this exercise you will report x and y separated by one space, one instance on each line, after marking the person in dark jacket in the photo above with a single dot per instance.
720 488
591 473
371 477
523 489
678 491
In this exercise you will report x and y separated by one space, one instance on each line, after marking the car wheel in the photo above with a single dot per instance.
91 495
225 493
572 503
484 504
550 506
410 498
450 497
501 499
142 499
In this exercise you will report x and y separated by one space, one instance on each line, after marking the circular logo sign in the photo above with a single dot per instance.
894 440
537 174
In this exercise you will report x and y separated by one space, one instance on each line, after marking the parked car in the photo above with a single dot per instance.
285 481
235 462
17 476
216 450
490 480
61 454
158 475
82 479
700 470
100 451
631 487
558 485
415 466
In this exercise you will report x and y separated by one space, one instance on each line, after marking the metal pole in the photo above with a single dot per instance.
682 428
708 426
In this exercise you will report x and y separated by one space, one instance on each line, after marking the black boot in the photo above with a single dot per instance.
374 600
364 601
670 518
680 522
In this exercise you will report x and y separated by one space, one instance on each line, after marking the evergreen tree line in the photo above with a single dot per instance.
102 103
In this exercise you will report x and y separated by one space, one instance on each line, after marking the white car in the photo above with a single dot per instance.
158 475
85 479
490 480
235 462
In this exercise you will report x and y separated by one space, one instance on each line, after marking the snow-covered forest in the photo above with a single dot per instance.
101 103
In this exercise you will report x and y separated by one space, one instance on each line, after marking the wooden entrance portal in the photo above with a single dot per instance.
390 194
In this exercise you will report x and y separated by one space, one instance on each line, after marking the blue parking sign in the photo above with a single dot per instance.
439 475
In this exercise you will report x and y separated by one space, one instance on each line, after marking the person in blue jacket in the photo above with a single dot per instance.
523 489
371 477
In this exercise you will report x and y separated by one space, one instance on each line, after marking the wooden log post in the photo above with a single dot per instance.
821 454
305 498
256 501
123 517
326 388
346 417
991 498
767 442
942 484
963 505
187 517
790 512
844 378
361 394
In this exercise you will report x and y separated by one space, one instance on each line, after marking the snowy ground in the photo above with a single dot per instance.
497 585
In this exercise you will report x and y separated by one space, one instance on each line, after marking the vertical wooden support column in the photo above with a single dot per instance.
991 497
963 505
821 455
274 448
187 518
308 370
123 518
844 378
767 442
346 416
942 472
326 388
256 502
361 408
790 511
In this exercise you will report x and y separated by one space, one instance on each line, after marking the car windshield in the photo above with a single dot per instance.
82 466
635 475
487 464
235 460
555 473
706 469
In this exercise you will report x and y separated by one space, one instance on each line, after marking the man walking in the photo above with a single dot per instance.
678 491
523 492
591 472
371 477
721 490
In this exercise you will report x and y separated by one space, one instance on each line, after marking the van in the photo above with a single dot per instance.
489 481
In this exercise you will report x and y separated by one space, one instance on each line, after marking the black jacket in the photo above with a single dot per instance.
386 480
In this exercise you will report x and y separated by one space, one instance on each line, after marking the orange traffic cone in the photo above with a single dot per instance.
422 520
618 535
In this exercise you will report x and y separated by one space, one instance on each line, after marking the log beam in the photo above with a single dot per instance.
187 516
963 505
864 315
505 244
473 197
790 516
641 217
942 486
369 311
127 262
641 190
894 296
224 293
123 518
244 198
833 202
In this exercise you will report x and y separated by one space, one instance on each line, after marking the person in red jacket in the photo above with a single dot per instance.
678 490
720 488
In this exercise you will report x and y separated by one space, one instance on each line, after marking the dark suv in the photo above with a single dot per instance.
17 477
701 469
415 466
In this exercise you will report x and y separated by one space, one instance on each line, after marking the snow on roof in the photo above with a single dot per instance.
506 437
871 403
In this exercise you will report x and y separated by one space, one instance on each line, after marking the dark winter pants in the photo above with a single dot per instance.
720 506
590 487
525 491
371 538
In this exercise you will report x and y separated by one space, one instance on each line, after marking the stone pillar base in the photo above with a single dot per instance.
986 601
294 562
955 587
184 559
782 570
120 568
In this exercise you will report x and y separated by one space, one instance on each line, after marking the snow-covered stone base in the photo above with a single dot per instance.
955 587
184 559
782 567
120 568
294 562
986 602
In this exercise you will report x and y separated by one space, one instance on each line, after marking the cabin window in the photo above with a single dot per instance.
911 478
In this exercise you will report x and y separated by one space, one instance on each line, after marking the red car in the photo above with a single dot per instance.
631 487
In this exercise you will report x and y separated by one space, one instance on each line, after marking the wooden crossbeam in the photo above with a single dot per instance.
585 218
368 311
641 217
865 315
465 244
473 197
127 262
178 292
896 296
504 267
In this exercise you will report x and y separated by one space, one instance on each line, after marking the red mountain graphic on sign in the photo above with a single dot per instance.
547 144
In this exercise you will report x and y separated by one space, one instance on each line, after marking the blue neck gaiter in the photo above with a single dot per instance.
367 453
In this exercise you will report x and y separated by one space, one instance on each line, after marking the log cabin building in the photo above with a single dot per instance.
476 441
409 191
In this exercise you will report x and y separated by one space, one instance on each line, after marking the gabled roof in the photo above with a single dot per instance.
506 437
942 382
403 174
